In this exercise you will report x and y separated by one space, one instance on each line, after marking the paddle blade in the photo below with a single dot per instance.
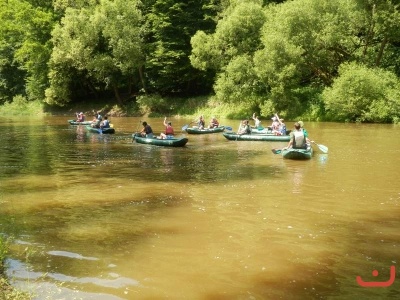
276 151
228 128
185 127
323 148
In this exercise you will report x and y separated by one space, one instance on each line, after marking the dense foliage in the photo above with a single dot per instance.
319 59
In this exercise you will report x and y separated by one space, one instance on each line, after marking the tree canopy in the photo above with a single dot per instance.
298 57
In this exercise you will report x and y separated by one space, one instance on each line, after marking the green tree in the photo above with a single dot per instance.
229 51
170 24
304 42
363 94
100 44
381 31
24 49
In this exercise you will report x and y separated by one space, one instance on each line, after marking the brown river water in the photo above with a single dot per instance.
99 217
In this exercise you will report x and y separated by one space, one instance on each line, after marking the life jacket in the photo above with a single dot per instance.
169 130
106 124
282 129
299 140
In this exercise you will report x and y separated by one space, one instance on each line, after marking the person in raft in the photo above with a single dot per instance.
95 122
105 123
297 138
257 122
169 131
146 130
213 123
80 117
244 128
201 123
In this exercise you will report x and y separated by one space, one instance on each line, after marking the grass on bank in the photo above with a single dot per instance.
7 292
21 107
144 105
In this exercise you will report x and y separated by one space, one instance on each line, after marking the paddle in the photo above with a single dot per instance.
187 125
321 147
228 128
276 151
136 132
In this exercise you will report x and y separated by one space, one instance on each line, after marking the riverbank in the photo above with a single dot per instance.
146 106
6 290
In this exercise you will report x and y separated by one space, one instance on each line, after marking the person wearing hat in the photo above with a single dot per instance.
169 131
302 127
80 117
282 127
275 124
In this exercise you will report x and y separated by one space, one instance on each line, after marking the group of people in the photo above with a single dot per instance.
298 136
201 123
168 133
278 127
99 122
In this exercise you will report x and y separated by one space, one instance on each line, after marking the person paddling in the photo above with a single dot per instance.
146 130
298 140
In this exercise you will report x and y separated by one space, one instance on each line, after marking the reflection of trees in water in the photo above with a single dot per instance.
80 133
167 159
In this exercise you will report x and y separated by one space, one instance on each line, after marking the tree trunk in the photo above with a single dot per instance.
117 95
370 34
380 53
93 89
141 78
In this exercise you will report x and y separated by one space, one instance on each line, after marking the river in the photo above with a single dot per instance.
99 217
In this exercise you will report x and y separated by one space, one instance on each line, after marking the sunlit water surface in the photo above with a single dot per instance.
99 217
